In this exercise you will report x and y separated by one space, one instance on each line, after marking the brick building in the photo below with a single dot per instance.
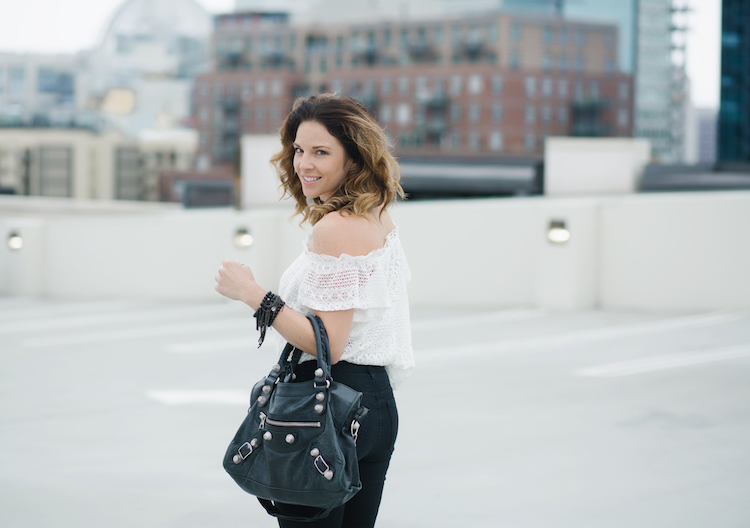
494 85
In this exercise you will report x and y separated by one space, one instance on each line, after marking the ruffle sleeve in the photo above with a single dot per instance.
343 283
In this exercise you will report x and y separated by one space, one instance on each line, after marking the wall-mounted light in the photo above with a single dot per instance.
243 239
15 241
557 233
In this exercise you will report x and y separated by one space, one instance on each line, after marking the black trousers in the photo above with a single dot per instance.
377 437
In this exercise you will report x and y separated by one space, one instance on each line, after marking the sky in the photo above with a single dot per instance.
67 26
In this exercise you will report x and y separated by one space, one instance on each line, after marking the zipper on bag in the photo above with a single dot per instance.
279 423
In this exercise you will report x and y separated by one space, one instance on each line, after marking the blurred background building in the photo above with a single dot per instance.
734 115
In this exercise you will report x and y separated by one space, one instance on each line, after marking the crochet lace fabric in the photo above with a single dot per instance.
374 285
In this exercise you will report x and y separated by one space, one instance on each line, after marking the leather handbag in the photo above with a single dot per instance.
296 448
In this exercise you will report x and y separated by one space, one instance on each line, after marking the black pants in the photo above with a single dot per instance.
377 437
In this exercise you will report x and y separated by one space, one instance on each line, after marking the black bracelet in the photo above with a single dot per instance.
269 308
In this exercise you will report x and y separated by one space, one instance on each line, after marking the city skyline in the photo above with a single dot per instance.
76 25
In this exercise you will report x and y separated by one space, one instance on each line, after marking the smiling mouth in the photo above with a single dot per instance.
310 179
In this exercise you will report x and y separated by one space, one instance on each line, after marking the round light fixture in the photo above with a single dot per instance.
15 241
557 232
243 239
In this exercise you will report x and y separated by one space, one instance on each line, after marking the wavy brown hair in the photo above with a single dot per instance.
373 179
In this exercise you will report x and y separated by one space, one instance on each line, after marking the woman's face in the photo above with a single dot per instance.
320 160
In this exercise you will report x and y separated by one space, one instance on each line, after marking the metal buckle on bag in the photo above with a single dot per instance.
355 430
240 456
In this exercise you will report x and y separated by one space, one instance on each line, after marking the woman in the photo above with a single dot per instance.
352 273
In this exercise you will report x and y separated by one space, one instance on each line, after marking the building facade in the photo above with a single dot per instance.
495 84
734 112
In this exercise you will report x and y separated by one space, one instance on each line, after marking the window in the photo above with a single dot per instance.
580 37
474 84
420 84
622 117
546 62
385 85
580 64
496 112
455 113
337 85
385 113
260 113
403 113
456 139
530 86
456 33
562 114
437 34
547 34
496 140
276 87
609 40
492 32
387 36
475 140
497 84
530 141
564 36
624 90
562 88
579 91
260 88
404 37
594 90
456 82
530 114
515 33
275 113
515 60
403 85
474 112
546 114
563 62
609 65
546 87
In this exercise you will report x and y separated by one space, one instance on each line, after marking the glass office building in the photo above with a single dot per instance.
734 112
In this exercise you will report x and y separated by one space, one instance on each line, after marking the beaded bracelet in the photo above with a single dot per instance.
269 308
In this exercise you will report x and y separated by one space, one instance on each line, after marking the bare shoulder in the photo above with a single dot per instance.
337 234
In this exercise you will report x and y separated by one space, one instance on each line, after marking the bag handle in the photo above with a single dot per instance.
290 356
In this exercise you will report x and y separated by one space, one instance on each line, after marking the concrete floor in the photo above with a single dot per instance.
117 414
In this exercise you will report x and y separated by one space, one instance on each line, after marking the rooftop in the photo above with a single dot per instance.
117 413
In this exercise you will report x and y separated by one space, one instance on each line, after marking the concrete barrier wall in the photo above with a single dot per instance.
679 252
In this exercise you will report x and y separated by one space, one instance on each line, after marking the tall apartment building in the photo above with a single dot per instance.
494 84
734 112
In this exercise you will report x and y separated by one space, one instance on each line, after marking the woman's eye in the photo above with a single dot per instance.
321 152
297 150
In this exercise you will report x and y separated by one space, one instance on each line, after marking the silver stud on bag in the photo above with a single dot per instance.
315 453
320 396
266 389
267 436
277 368
319 408
319 373
262 399
290 438
254 442
236 459
328 475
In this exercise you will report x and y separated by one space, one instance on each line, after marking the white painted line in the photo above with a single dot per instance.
238 324
667 361
242 343
580 336
133 315
183 397
477 319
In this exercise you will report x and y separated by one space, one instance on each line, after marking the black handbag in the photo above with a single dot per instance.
296 448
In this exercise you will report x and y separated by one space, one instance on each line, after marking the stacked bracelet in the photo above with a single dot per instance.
269 308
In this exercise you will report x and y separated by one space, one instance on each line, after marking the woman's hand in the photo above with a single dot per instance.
236 281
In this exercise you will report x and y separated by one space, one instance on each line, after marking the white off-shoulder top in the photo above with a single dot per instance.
374 285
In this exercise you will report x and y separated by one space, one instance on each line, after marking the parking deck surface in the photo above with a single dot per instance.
117 414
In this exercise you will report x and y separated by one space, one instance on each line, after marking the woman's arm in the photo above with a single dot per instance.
236 281
334 235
